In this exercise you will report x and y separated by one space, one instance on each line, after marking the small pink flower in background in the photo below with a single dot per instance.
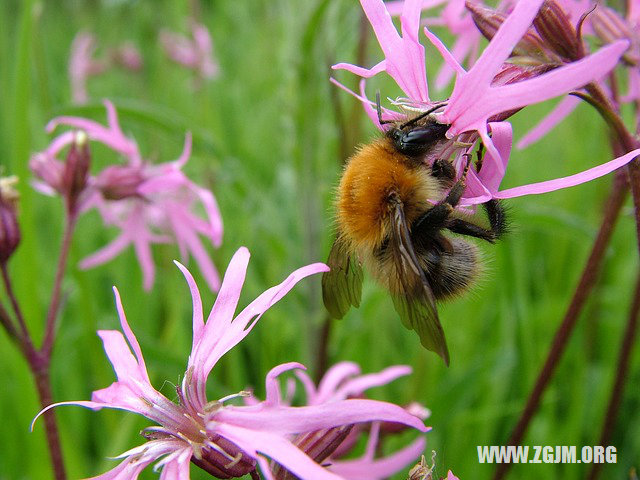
223 439
83 65
488 90
148 203
195 53
127 56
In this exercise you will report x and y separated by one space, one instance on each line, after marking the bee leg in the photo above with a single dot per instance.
463 227
497 222
437 217
497 217
444 171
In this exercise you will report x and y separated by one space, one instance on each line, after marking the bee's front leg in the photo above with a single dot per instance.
437 217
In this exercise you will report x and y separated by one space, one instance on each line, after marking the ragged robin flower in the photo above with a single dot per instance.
148 203
224 439
330 446
195 53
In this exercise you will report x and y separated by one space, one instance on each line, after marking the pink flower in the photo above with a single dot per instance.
342 381
83 65
195 53
483 93
610 27
148 203
225 440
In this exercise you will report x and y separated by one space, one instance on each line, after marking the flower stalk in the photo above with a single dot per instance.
586 283
617 390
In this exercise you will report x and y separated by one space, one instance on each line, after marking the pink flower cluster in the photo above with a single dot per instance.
195 53
487 92
148 203
83 64
230 440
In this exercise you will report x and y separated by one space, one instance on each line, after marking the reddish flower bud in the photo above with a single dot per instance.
119 182
9 228
226 461
76 170
127 56
530 45
554 26
318 445
610 26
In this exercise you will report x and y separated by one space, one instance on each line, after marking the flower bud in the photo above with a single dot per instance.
128 56
76 169
530 45
226 461
554 26
47 169
609 27
422 471
9 229
318 445
119 182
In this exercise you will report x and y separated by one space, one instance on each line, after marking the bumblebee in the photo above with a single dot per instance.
394 213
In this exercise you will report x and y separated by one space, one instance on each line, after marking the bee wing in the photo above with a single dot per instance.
417 305
342 285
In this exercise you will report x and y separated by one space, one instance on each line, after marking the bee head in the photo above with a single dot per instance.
417 140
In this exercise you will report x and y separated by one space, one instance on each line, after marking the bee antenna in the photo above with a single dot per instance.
422 115
379 109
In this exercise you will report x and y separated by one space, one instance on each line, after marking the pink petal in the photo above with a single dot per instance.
448 57
145 259
221 315
291 420
106 253
131 338
360 71
470 106
186 151
563 109
462 48
356 386
368 105
200 255
176 465
128 469
308 384
405 58
85 404
335 376
493 168
571 181
502 44
213 214
124 363
217 343
279 449
272 387
198 317
369 469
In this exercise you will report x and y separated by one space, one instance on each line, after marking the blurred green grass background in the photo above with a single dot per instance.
268 143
